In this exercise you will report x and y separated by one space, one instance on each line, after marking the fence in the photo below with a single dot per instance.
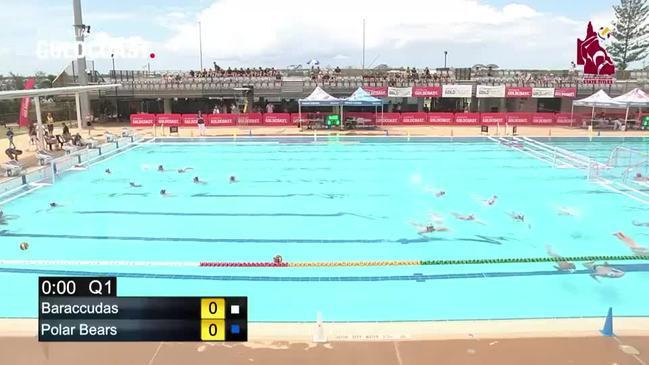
379 119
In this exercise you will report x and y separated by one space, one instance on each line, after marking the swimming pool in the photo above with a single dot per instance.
334 200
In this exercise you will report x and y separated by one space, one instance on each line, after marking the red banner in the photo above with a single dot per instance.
427 91
388 119
492 118
467 118
441 118
277 119
519 118
23 118
142 120
565 92
376 90
249 119
221 120
166 120
565 119
518 92
414 118
542 118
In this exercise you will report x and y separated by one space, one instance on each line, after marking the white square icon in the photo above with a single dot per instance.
234 309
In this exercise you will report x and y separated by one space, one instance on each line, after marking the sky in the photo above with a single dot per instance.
529 34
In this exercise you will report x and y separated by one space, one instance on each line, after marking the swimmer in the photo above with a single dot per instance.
163 192
640 224
434 191
54 205
491 201
233 179
185 169
562 264
468 218
517 217
604 270
196 180
639 177
632 244
108 172
161 168
428 228
135 185
440 193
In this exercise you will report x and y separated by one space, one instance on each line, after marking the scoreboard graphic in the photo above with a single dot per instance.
88 309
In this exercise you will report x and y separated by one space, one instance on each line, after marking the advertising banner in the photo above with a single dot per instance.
518 92
519 118
414 118
457 91
23 117
168 120
492 118
542 118
427 91
483 91
565 92
142 120
277 119
221 120
441 118
467 118
377 91
400 92
543 92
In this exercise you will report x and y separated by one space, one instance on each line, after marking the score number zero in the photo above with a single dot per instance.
69 287
212 319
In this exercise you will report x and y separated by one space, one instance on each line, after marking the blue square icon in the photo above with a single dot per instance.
234 329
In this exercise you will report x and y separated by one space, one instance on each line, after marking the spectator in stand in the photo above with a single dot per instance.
269 108
216 109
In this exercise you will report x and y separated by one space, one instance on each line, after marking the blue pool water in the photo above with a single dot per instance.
334 201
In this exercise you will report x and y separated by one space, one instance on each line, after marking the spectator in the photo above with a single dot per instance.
66 132
10 136
269 108
50 123
216 109
201 124
33 136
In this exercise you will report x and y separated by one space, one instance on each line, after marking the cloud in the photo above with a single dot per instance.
253 32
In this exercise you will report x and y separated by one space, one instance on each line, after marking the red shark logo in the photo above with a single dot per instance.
594 58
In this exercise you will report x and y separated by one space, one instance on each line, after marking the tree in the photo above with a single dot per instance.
630 33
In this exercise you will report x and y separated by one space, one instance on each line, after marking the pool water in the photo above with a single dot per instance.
335 200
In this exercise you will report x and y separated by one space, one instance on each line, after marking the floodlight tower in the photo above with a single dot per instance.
80 30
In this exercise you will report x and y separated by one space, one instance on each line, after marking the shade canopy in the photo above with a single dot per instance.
69 90
320 97
599 99
634 98
361 97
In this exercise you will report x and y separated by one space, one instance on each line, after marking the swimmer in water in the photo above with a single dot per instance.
135 185
468 218
108 172
436 192
233 179
53 205
428 228
640 224
163 192
517 217
196 180
440 193
491 201
639 177
185 169
562 264
604 270
161 168
632 244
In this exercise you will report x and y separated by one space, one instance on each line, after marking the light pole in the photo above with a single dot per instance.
445 53
200 44
363 44
112 56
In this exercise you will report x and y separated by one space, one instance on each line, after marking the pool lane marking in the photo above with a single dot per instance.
411 277
179 214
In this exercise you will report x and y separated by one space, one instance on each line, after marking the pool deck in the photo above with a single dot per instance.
555 341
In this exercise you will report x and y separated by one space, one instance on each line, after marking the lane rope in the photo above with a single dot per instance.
516 260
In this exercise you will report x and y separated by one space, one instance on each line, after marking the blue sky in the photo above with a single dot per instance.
512 34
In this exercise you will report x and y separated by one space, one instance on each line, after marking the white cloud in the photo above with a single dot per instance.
253 32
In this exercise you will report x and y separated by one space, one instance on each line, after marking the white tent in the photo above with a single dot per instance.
599 99
634 98
318 97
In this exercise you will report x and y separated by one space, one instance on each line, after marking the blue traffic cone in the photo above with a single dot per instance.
608 324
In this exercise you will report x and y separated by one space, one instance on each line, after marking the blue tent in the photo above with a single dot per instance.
361 97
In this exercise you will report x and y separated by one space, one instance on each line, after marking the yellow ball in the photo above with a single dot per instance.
24 246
